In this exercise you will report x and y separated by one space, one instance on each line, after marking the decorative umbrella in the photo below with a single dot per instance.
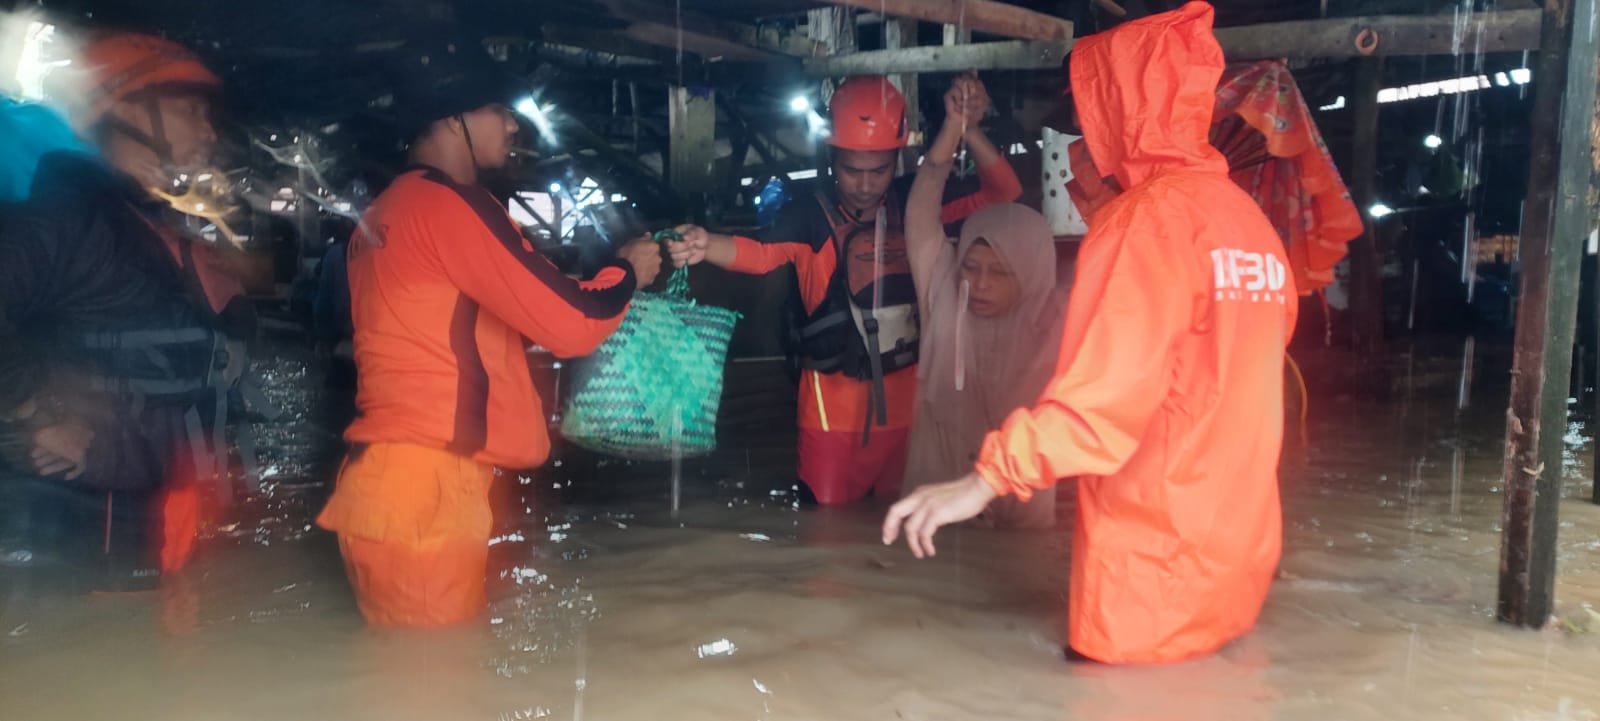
1264 128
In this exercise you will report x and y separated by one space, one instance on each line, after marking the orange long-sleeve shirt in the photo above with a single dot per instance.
802 237
444 291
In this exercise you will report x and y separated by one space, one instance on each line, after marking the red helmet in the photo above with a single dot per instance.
122 64
868 113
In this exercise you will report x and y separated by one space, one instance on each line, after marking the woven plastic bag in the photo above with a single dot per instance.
652 390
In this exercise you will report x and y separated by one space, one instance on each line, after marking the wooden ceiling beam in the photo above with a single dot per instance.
1006 55
1392 35
708 37
1489 32
984 16
607 42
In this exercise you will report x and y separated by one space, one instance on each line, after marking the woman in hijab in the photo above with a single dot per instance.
991 321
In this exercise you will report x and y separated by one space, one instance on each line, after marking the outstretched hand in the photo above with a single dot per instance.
644 254
929 507
966 102
691 250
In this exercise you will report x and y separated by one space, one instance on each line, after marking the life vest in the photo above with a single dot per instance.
185 360
866 326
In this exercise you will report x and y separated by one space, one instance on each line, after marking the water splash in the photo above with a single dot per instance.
1457 464
719 647
1464 391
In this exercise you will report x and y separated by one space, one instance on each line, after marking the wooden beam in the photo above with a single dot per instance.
607 42
899 34
1554 227
1007 55
663 25
985 16
693 131
1392 34
1333 38
778 40
709 46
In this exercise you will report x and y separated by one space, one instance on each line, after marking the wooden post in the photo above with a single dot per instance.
1553 232
958 35
692 125
306 225
1366 259
899 34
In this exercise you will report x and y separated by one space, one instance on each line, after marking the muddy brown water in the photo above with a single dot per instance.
743 607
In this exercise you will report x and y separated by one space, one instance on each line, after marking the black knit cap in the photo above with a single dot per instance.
442 79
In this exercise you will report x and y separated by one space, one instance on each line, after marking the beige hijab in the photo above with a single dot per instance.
975 371
992 366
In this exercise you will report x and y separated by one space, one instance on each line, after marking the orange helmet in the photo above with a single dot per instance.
122 64
868 113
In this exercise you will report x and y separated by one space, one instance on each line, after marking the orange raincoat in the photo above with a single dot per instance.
1168 400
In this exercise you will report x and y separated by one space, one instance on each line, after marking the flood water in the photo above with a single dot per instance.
745 607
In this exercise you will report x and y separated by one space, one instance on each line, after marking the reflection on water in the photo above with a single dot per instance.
607 605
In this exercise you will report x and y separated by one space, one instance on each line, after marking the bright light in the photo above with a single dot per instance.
803 174
817 125
756 200
1337 104
1378 210
555 187
1465 84
800 104
540 116
1432 142
32 65
618 197
747 182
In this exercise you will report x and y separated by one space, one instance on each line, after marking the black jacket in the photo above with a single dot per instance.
81 258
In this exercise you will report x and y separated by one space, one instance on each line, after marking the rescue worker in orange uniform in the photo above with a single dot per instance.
133 326
445 296
1167 404
858 338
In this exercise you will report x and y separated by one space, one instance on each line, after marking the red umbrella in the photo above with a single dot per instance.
1265 130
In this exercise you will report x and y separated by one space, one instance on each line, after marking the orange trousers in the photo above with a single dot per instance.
414 526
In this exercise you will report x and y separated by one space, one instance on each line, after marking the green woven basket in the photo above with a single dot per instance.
651 390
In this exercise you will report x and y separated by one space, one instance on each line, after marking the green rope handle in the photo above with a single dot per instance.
678 283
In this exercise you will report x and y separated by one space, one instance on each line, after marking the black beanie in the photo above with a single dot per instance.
439 80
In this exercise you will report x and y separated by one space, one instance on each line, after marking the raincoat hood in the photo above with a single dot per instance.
1145 92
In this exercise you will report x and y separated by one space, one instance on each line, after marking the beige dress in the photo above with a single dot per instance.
973 371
